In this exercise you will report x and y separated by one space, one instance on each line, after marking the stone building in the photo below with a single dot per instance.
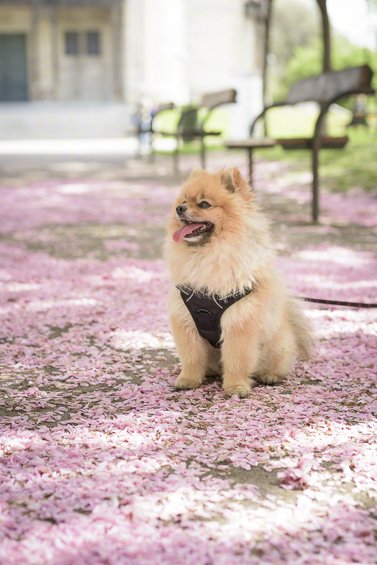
81 67
60 50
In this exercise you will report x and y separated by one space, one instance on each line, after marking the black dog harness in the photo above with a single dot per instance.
206 311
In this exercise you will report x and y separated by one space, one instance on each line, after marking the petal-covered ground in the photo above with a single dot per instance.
102 462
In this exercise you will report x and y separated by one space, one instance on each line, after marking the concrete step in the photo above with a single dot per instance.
58 120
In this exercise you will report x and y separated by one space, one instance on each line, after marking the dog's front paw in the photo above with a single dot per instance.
268 379
184 382
241 390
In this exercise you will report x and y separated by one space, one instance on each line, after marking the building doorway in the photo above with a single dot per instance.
83 70
13 68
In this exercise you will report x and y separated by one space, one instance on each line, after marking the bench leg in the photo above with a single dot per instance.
176 156
315 183
250 160
139 145
203 153
152 153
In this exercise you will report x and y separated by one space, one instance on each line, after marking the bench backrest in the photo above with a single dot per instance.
163 107
214 99
325 87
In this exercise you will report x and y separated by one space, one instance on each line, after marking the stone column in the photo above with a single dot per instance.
165 50
54 52
117 48
43 57
33 54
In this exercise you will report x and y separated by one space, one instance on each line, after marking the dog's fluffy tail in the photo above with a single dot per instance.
301 328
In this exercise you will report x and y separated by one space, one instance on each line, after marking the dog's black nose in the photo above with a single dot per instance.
180 210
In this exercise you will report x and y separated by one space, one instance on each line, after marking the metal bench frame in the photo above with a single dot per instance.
325 89
149 128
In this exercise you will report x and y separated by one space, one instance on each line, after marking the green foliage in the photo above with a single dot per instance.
307 61
167 121
355 166
293 23
299 121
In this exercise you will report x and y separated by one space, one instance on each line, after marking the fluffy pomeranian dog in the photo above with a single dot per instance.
229 310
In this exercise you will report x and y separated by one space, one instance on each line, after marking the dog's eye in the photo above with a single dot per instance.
204 204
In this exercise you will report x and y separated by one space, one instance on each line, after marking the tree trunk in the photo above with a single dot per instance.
267 37
326 39
326 34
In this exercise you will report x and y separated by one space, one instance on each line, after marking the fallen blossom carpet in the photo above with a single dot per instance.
102 462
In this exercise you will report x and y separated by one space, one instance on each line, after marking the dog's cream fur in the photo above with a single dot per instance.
264 332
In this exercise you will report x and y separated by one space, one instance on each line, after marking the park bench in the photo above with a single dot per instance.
145 124
325 90
193 121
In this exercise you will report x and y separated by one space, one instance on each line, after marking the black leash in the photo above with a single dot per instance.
340 302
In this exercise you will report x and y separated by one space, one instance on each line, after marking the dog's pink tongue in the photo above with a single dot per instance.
181 233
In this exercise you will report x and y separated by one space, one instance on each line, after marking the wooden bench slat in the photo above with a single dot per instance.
251 143
323 88
327 142
188 133
213 99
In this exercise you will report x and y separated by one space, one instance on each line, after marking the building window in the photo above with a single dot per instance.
93 46
71 41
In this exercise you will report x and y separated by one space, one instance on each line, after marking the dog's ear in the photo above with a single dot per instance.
195 173
234 181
